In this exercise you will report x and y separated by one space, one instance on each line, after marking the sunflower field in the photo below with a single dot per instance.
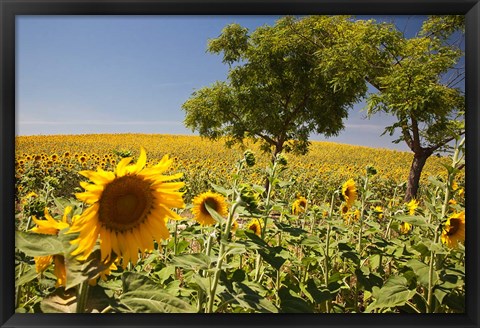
136 223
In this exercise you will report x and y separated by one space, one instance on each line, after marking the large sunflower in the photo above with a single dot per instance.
349 192
454 230
215 201
129 208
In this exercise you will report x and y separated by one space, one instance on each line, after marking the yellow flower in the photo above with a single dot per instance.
50 226
349 192
356 215
60 271
412 206
454 230
454 185
256 226
378 210
405 228
215 201
299 205
31 195
234 226
129 209
42 262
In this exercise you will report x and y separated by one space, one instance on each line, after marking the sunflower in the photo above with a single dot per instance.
256 226
234 225
349 192
454 230
50 226
405 228
412 206
129 209
215 201
299 205
378 210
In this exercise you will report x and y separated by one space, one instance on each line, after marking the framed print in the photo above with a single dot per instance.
259 163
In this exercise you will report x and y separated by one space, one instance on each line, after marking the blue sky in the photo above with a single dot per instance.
116 74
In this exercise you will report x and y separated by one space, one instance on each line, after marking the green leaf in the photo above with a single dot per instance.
274 256
154 301
235 248
35 244
142 295
202 282
294 231
292 304
28 275
135 281
217 217
421 271
394 293
320 295
166 273
221 190
257 240
419 221
249 299
368 279
60 301
197 261
78 272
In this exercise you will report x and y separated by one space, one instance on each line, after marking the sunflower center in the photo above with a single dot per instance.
454 226
125 203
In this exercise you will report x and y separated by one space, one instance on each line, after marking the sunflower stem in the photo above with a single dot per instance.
327 264
430 276
266 214
175 239
360 236
218 268
82 297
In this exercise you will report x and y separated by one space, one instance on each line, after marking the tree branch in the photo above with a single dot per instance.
444 142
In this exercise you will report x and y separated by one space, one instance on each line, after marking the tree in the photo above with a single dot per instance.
420 87
417 79
277 91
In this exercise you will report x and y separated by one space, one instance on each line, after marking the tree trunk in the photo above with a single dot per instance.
419 160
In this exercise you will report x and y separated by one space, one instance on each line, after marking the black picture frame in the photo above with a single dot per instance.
9 9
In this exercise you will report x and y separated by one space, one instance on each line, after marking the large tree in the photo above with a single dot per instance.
277 91
418 79
422 87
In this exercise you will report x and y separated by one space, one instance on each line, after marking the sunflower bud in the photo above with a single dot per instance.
371 170
249 197
249 157
281 159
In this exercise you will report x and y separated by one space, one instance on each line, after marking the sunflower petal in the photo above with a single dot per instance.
120 170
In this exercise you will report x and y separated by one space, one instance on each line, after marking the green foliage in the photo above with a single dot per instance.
278 89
